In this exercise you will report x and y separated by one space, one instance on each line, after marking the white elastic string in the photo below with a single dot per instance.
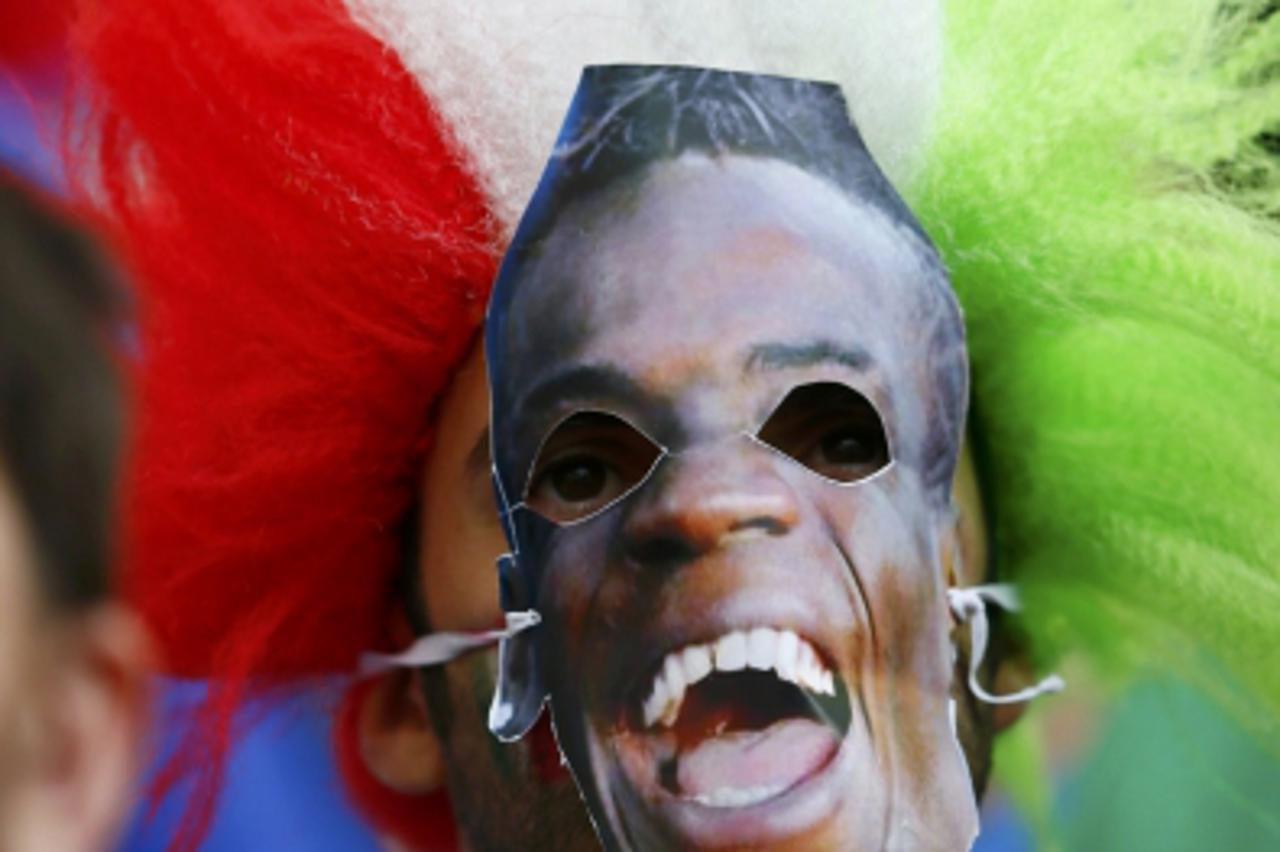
970 604
437 648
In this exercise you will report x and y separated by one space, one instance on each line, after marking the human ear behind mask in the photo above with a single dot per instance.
729 381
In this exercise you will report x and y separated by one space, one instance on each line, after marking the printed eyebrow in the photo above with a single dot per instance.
593 382
781 356
599 386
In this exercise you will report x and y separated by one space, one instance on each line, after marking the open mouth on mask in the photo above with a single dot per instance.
734 722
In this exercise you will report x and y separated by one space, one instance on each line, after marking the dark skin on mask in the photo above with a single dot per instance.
429 730
514 795
776 339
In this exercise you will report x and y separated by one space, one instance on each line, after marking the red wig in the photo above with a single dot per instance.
31 31
313 257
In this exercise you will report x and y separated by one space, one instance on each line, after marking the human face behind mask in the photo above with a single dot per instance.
504 795
719 402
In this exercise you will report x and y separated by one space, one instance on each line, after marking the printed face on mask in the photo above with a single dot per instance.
719 401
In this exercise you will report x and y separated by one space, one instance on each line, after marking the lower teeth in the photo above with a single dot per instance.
734 797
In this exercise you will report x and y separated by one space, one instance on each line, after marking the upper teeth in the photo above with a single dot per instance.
763 648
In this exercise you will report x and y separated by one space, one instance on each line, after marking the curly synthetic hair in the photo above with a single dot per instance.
624 118
312 259
1100 186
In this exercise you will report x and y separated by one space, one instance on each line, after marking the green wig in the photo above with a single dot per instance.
1099 184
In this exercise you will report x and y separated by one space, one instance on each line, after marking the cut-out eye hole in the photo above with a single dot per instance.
831 429
587 462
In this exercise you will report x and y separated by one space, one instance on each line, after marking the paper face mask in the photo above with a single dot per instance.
729 382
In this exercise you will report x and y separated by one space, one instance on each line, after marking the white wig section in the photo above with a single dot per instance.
502 72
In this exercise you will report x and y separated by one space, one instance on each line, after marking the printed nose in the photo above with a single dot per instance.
701 501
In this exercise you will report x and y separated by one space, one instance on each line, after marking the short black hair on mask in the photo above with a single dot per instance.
626 118
60 395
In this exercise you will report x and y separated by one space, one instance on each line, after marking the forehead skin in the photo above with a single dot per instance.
675 277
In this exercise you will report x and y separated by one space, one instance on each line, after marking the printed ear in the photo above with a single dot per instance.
518 700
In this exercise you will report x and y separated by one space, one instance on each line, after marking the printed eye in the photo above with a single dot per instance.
587 462
831 429
848 446
580 479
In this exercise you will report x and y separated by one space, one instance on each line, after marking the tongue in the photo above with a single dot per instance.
776 758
